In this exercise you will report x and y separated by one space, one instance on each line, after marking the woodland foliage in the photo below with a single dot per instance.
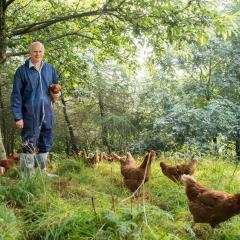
134 74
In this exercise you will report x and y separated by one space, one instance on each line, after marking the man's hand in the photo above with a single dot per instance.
55 96
19 123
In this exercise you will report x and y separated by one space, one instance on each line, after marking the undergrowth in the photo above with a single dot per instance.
92 203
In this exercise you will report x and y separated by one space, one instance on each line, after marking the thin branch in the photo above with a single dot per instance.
89 23
186 7
77 5
117 16
106 4
121 3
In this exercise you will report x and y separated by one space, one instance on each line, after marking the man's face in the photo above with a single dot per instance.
36 53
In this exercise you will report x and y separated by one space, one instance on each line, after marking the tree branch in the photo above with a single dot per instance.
7 4
121 3
44 24
15 54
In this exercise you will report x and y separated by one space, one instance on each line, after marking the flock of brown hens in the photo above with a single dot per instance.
206 205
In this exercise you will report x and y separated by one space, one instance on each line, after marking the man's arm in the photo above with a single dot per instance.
55 77
16 99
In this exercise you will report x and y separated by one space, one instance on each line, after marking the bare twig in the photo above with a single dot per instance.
113 198
99 230
93 205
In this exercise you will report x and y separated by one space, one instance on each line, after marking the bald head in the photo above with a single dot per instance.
36 51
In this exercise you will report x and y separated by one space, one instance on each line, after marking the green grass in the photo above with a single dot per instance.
10 226
92 203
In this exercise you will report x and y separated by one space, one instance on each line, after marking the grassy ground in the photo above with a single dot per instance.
92 203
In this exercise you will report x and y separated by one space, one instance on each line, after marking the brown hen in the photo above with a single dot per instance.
94 159
9 161
210 206
133 175
55 92
174 172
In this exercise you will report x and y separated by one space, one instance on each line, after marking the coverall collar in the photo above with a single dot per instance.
32 65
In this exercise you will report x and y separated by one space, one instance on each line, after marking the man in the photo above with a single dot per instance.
31 107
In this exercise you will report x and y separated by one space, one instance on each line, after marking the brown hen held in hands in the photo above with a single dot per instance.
55 92
55 88
210 206
174 172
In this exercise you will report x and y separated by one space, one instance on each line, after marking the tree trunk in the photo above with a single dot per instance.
104 127
2 149
237 145
208 87
2 34
12 140
215 145
3 119
2 63
238 149
67 149
70 128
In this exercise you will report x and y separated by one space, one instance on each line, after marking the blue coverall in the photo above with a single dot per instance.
30 101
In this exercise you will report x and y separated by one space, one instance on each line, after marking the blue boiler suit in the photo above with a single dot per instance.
30 101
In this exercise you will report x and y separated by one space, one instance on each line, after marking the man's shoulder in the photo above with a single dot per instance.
48 65
21 68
